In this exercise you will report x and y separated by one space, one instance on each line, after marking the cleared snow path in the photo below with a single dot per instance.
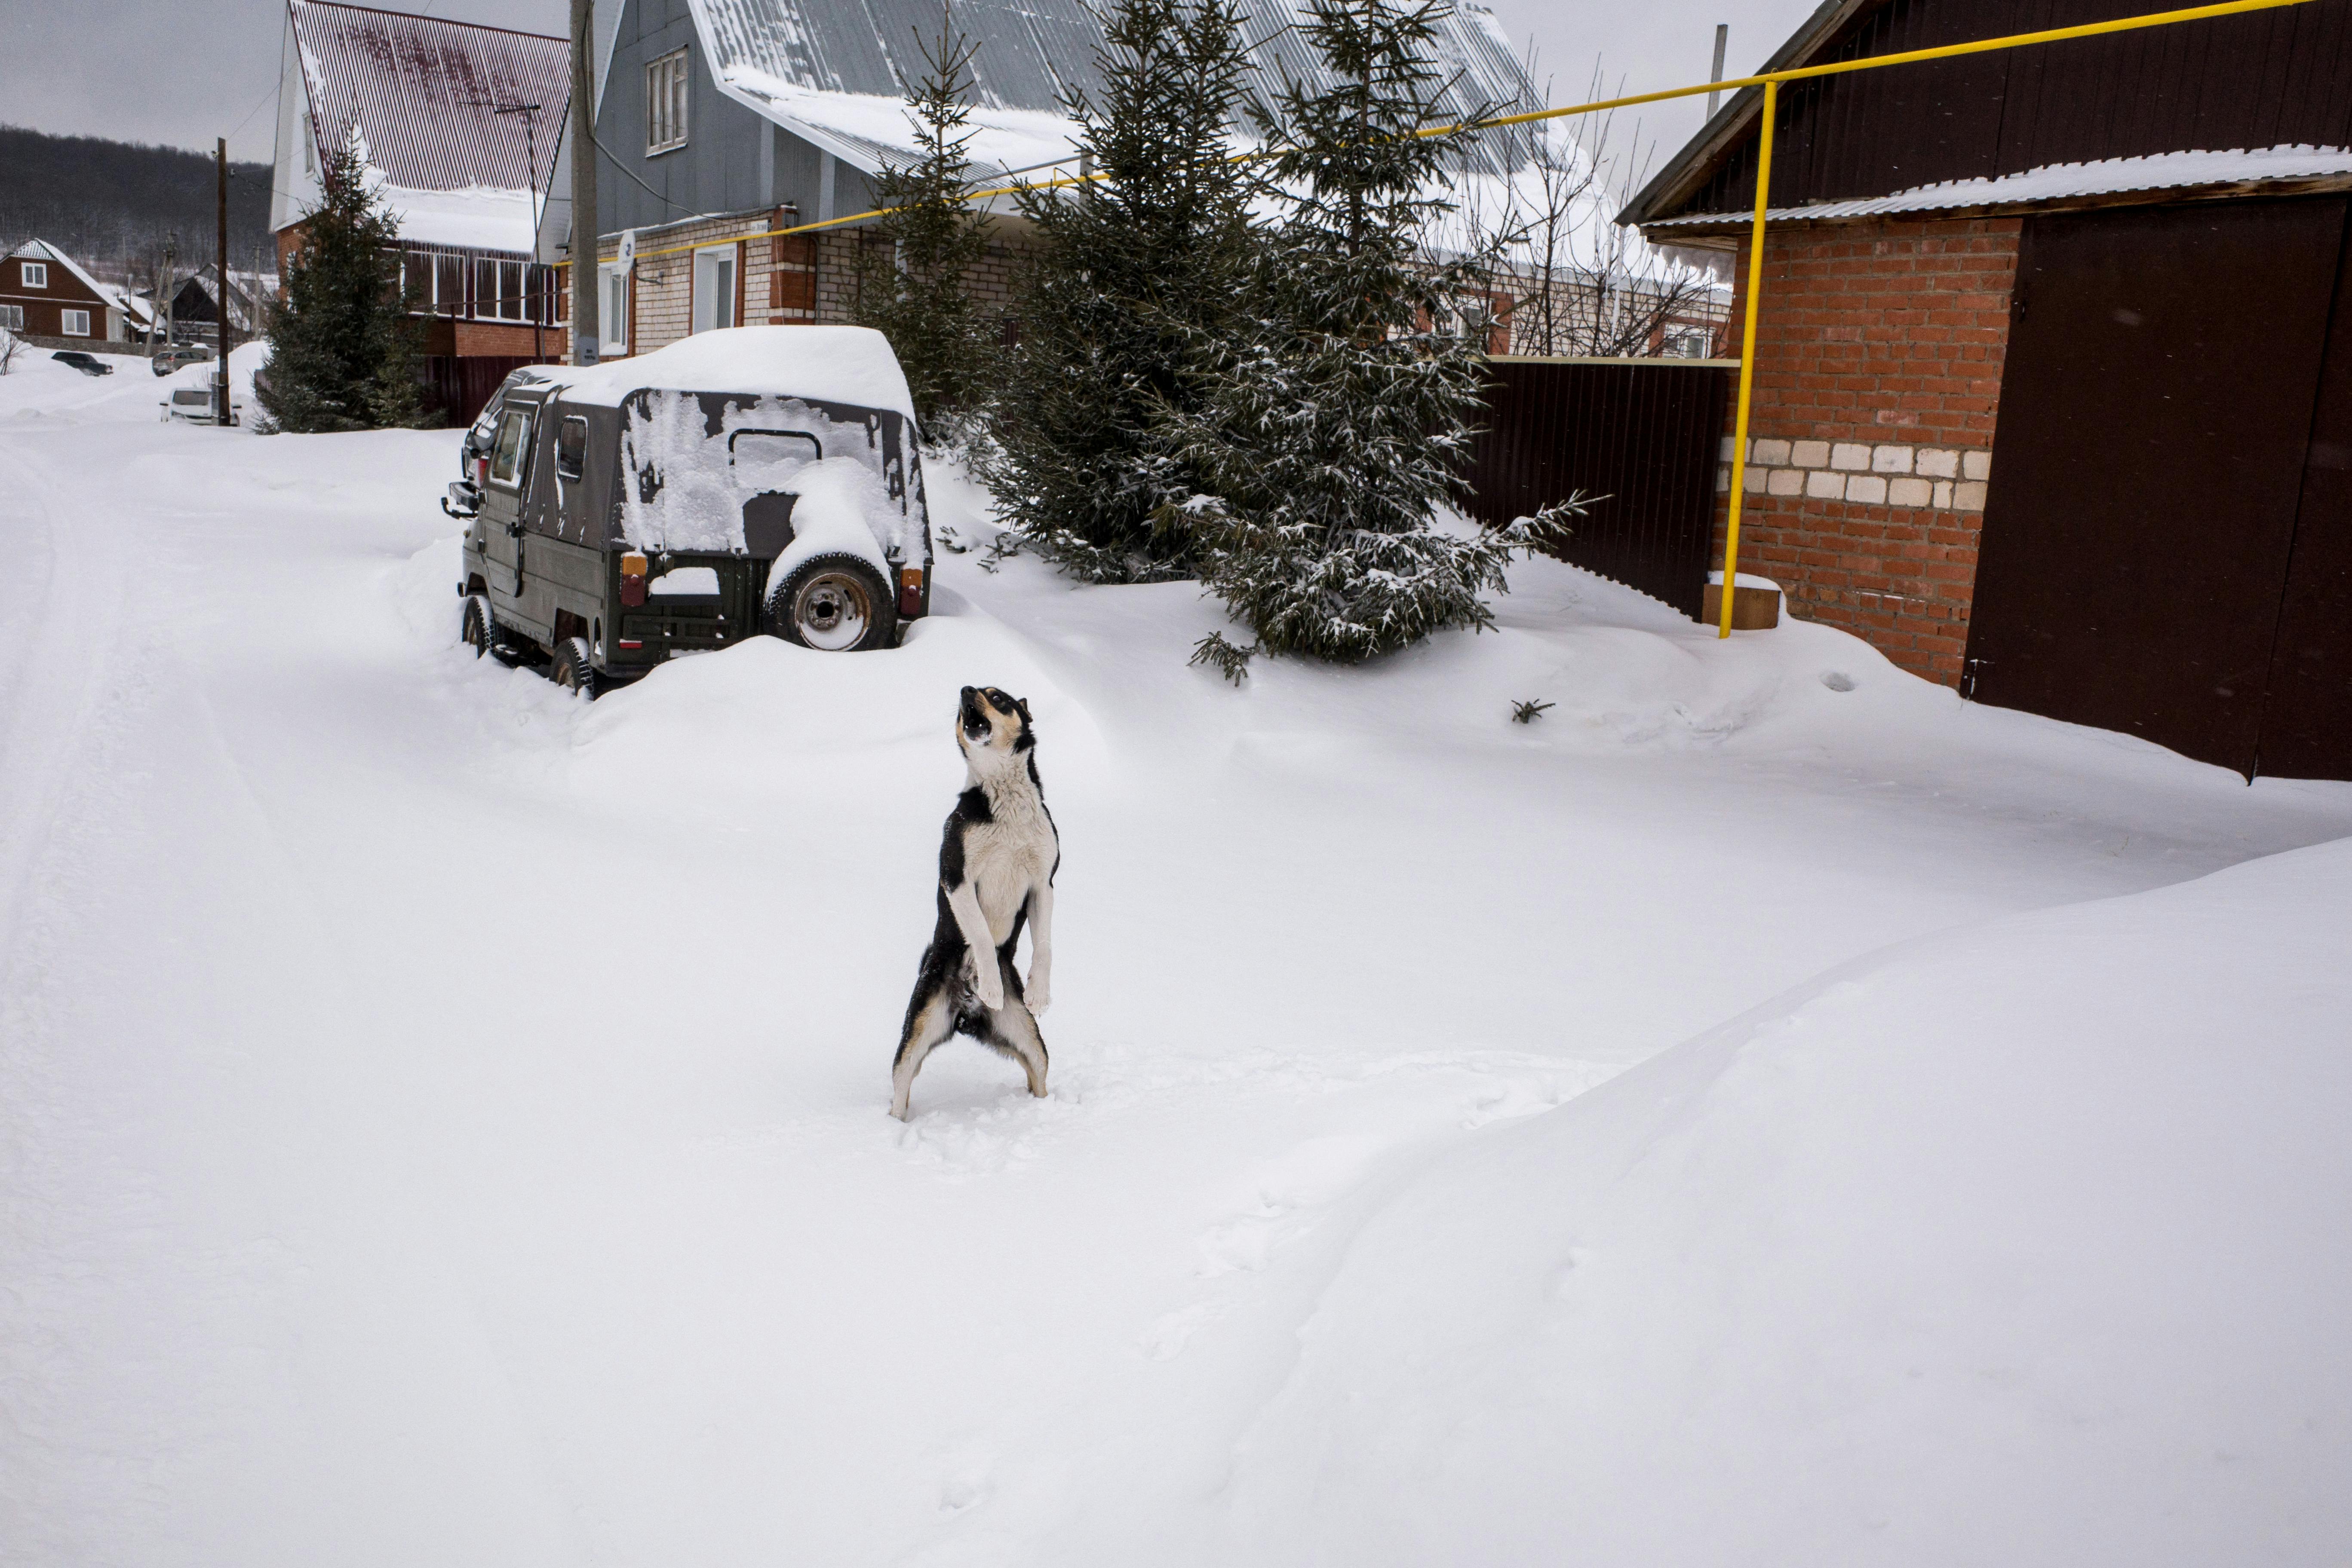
446 1123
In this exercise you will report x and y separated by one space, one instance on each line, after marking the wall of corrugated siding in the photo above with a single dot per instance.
2266 78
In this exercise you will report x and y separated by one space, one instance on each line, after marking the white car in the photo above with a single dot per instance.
194 403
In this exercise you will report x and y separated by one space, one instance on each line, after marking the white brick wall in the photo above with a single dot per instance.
1885 474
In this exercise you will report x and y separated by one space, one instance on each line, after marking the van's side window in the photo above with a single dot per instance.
571 448
507 459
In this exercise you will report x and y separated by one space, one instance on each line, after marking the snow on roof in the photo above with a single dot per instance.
818 365
866 129
809 62
423 94
44 250
2055 182
479 217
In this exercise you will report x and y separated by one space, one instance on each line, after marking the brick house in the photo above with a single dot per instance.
45 293
720 121
2054 364
438 111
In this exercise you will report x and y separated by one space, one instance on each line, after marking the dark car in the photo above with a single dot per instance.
88 365
748 481
180 356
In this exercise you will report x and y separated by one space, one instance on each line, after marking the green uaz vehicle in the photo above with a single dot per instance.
750 482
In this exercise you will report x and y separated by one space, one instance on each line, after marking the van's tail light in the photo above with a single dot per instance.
910 591
633 580
481 472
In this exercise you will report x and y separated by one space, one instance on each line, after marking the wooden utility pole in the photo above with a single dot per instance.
220 373
586 339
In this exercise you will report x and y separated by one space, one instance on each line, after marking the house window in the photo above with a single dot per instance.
613 318
665 103
36 273
510 291
73 323
449 284
714 288
11 317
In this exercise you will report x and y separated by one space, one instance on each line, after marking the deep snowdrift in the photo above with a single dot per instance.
2026 1244
445 1121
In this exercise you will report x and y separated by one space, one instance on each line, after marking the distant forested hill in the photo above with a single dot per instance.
110 204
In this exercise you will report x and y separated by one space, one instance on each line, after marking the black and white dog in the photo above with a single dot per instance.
996 871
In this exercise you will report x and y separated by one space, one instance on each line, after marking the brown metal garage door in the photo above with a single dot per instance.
2156 417
2307 715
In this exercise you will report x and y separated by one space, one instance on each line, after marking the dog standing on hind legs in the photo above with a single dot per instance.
997 862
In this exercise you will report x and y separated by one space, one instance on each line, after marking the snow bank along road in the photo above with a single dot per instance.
446 1124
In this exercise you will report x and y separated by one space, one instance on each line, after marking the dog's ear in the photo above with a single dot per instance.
1022 703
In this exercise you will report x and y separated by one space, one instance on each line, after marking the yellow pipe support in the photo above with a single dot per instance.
1770 83
1747 364
1838 68
1872 62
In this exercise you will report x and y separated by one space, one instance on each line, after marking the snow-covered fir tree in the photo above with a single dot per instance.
343 346
910 273
1137 266
1334 430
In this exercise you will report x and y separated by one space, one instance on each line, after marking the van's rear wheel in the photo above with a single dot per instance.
480 628
836 604
572 671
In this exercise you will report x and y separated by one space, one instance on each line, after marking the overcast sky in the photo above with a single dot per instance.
185 71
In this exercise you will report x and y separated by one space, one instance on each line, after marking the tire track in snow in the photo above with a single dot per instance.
71 640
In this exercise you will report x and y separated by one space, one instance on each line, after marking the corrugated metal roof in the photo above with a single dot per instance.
2058 182
1031 51
422 92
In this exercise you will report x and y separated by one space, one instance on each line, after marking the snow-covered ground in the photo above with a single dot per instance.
1764 1112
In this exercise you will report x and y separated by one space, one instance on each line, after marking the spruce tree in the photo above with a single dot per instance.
343 346
910 287
1334 430
1137 267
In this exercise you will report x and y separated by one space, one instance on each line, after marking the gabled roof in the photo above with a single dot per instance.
42 250
422 93
834 70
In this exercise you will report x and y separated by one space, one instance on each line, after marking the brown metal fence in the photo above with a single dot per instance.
462 383
1645 433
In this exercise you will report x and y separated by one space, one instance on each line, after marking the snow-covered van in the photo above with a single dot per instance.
745 481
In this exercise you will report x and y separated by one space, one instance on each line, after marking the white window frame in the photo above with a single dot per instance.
36 274
11 317
612 311
66 319
666 92
715 302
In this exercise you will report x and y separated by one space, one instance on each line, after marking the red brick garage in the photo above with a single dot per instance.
2130 506
1878 363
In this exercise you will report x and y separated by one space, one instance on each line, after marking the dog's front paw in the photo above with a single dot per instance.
991 991
1041 993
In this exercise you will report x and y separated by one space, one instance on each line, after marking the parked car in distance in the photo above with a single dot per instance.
744 481
88 365
195 403
179 355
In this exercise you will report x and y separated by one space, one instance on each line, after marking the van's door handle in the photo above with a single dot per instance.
514 530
